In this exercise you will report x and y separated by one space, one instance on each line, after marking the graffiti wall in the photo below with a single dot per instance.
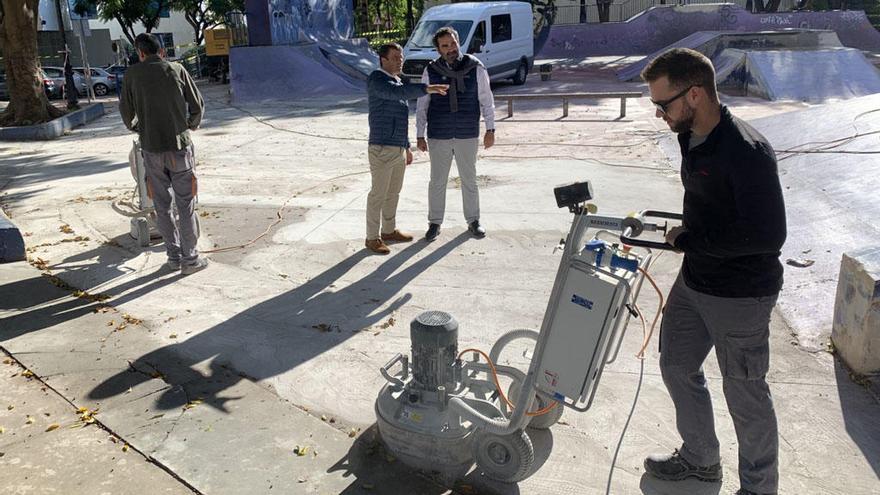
662 26
288 22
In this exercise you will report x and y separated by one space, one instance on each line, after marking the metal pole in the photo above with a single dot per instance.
87 72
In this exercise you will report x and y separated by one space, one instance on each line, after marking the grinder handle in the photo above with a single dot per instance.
399 358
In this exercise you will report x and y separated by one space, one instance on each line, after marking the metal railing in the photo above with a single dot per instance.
623 10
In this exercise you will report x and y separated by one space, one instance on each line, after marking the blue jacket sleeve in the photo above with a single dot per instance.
380 86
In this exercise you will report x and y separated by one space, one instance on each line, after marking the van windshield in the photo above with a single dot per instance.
421 37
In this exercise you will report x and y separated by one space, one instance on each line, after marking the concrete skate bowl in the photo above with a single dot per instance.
665 25
261 73
805 75
713 43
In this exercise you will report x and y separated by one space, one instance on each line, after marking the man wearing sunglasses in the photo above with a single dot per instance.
731 235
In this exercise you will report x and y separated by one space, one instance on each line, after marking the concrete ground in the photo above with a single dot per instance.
259 374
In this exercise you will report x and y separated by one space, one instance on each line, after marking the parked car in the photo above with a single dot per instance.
57 75
103 82
52 90
49 87
116 70
500 34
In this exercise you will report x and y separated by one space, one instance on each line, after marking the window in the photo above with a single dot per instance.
54 72
501 28
422 36
479 39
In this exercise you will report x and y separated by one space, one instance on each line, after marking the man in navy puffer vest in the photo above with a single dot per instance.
388 150
453 125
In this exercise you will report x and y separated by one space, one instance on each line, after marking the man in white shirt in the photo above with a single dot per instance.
453 128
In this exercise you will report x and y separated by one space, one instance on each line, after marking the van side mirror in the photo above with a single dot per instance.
477 47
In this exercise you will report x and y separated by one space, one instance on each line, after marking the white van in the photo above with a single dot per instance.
500 34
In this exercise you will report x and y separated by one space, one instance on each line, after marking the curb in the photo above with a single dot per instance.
54 128
11 241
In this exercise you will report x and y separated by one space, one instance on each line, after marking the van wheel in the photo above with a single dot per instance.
519 78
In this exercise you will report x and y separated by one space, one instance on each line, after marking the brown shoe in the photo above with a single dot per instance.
397 236
377 246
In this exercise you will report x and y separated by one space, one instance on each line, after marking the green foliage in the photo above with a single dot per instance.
390 14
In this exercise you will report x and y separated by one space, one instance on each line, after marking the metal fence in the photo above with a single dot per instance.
626 9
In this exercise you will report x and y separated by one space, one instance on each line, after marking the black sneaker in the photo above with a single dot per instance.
433 231
743 491
675 468
476 229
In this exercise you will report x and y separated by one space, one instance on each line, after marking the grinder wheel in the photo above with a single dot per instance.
506 458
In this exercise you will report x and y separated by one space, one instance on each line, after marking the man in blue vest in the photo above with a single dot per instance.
453 125
388 150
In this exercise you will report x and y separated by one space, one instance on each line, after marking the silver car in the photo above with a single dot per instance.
103 82
57 74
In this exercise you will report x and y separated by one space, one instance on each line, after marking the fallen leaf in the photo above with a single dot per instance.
6 361
10 407
353 433
157 416
2 430
300 451
191 404
172 336
114 439
367 486
66 229
125 448
27 373
53 426
800 263
30 420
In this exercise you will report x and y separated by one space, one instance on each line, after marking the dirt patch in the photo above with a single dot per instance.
482 181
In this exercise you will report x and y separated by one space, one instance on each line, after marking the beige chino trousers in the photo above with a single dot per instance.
387 166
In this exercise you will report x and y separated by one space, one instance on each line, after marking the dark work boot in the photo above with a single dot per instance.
476 229
433 231
675 468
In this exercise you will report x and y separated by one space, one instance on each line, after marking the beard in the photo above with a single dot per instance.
451 57
684 123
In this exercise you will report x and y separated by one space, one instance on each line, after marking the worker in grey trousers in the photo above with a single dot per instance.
453 128
161 102
732 232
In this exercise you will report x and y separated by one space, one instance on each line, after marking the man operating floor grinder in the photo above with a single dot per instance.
443 413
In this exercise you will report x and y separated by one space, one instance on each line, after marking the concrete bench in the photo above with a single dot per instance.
566 97
11 242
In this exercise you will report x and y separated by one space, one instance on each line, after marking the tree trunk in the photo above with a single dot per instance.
28 104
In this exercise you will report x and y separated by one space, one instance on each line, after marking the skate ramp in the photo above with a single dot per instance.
664 25
353 56
830 195
287 73
712 43
809 75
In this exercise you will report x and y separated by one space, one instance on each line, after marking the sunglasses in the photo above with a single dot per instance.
663 106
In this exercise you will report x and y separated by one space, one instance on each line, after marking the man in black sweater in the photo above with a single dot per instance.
731 236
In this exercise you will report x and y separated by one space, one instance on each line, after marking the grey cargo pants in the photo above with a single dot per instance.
171 175
739 328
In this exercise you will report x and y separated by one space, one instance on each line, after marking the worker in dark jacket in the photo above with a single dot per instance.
161 102
732 233
389 151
